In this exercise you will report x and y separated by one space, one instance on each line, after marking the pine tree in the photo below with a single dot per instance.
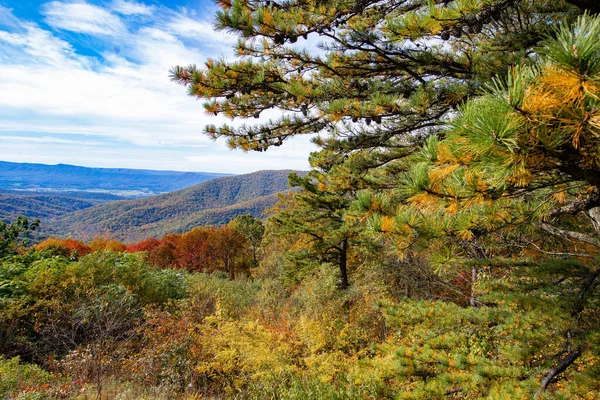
317 216
523 157
388 73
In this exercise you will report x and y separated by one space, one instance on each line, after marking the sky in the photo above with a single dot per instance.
86 83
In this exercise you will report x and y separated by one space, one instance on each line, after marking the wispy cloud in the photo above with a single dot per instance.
132 8
201 30
36 46
7 19
47 139
82 18
114 84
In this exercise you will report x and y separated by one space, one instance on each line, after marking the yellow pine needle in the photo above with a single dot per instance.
438 175
387 224
567 85
560 197
538 101
465 234
453 208
422 200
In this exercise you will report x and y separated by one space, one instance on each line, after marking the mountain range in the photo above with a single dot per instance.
84 203
49 204
119 181
214 202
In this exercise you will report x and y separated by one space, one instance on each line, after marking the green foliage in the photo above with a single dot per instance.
12 235
15 375
52 305
253 229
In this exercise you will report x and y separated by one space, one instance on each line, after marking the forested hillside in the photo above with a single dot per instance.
122 181
48 204
213 202
444 245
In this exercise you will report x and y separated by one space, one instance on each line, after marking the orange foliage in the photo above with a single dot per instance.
164 254
194 252
229 247
100 244
64 247
144 245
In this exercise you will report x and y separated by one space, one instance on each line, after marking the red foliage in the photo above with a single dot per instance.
145 245
193 250
164 254
64 247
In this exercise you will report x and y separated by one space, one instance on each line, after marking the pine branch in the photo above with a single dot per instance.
587 285
593 6
559 369
570 234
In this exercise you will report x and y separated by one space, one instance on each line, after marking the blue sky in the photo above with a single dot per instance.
86 83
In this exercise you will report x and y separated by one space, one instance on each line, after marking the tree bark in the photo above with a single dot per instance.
593 6
343 265
587 285
473 298
570 234
559 369
231 267
594 214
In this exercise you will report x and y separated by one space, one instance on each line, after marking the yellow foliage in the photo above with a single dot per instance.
438 175
568 86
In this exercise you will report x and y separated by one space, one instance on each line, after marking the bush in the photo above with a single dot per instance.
17 377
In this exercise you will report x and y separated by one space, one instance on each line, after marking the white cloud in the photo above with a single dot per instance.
131 8
39 44
199 30
47 87
82 18
47 139
7 18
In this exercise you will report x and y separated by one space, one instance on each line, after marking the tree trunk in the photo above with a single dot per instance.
587 285
473 298
343 265
231 268
592 6
594 214
559 369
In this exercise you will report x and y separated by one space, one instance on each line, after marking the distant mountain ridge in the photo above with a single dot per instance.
213 202
122 181
48 204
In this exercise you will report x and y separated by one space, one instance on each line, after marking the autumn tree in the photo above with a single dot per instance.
193 250
253 229
145 245
164 255
227 246
70 248
102 244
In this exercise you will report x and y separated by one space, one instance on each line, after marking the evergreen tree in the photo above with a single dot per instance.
386 75
474 125
317 215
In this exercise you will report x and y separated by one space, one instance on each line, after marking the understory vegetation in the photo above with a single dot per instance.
108 324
